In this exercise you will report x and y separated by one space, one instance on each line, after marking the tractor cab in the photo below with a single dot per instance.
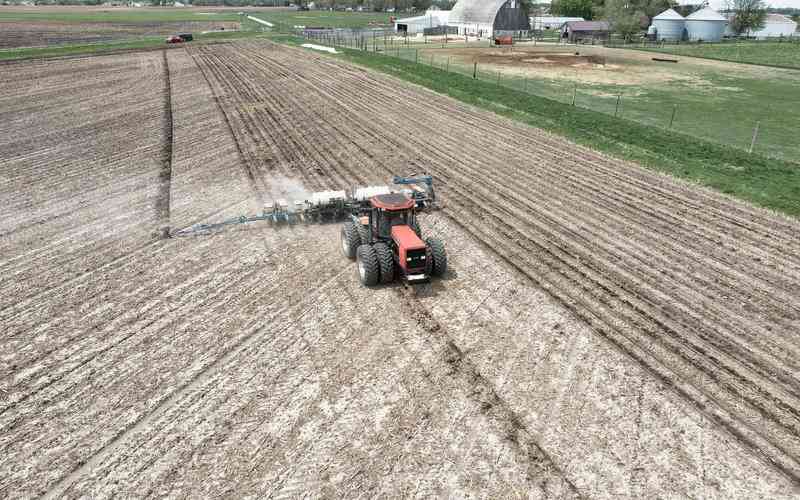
388 211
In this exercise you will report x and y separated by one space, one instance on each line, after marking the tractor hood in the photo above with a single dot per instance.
406 238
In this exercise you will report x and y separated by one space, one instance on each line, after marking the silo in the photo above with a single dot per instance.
706 24
669 25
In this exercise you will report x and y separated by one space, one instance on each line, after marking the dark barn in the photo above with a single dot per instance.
490 18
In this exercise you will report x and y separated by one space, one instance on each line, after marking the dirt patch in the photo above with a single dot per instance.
557 63
505 57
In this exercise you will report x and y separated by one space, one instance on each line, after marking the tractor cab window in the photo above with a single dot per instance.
389 218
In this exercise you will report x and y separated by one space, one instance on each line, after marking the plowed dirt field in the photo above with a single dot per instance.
53 33
603 331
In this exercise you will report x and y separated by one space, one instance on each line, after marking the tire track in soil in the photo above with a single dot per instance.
482 391
165 175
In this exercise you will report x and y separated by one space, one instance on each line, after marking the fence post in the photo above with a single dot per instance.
448 65
755 137
475 70
619 96
674 109
416 55
574 93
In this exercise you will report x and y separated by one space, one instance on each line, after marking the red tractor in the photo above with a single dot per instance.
385 241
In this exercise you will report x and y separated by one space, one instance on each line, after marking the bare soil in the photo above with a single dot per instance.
604 331
50 33
594 64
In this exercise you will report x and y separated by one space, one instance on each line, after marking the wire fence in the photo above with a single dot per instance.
728 125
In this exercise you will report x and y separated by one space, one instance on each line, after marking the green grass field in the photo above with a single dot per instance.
145 43
779 54
114 15
715 101
755 178
319 18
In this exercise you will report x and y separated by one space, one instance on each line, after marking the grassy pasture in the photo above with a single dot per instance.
320 18
713 100
779 54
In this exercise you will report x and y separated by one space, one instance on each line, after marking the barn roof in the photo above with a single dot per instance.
669 15
475 11
589 26
433 17
707 14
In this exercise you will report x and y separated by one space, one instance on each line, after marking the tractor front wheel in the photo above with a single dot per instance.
437 252
350 239
368 265
385 261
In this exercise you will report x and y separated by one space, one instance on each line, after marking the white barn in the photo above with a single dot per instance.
776 25
418 24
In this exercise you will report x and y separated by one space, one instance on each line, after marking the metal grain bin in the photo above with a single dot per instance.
706 24
669 25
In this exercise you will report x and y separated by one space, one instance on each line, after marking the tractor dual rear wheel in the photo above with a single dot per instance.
368 265
438 254
385 261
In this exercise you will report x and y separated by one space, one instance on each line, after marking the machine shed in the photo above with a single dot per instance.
490 18
430 22
586 31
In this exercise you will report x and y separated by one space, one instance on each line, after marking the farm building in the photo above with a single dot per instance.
544 23
490 18
776 25
582 31
669 25
705 25
432 21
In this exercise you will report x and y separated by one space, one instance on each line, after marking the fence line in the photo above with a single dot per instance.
614 101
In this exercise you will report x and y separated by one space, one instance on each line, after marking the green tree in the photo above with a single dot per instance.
624 16
748 16
421 5
572 8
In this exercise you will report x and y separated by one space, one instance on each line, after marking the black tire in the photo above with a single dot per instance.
368 266
385 261
363 233
350 240
437 251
